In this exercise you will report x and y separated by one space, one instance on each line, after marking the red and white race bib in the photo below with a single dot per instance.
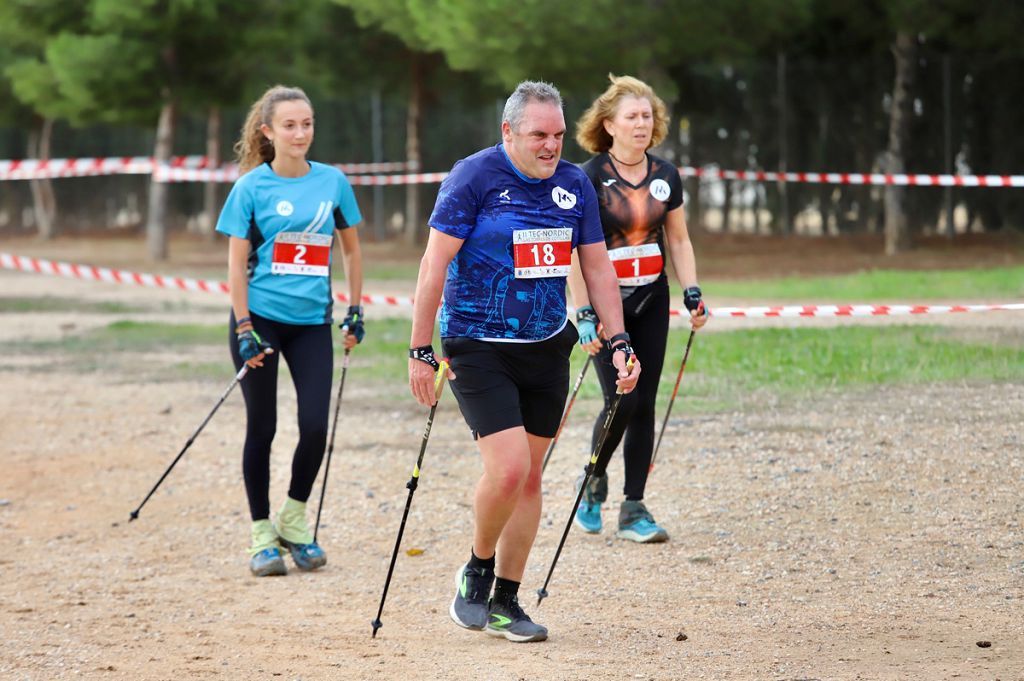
540 253
301 253
637 265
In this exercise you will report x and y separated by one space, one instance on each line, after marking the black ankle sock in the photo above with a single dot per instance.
505 590
477 562
629 498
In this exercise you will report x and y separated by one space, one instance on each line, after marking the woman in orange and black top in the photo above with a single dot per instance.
641 204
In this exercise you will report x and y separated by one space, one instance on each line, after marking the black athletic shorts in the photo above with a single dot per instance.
505 385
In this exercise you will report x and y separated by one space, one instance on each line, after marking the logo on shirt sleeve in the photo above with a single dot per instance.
285 208
660 190
563 199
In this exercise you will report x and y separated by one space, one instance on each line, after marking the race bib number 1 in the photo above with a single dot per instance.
540 253
301 253
637 265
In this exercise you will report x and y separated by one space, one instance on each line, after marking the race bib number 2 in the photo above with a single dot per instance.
540 253
637 265
301 253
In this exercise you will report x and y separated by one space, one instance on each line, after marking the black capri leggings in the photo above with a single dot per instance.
310 356
648 332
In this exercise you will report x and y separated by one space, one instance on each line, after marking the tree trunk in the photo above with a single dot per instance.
727 208
156 216
211 193
412 150
44 202
896 232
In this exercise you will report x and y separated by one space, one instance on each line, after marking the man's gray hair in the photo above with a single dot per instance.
526 92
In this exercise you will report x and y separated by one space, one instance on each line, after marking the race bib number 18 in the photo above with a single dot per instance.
301 253
542 252
637 265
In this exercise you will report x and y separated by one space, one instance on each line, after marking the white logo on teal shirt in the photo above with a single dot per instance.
563 199
285 208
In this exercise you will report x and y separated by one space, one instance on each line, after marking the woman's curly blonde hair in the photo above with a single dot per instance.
590 132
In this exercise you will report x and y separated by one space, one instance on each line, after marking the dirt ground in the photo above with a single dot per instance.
859 535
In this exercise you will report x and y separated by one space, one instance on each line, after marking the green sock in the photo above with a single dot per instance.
291 522
264 536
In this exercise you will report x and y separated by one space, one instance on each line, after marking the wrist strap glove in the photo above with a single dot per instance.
586 324
620 343
692 300
425 354
353 322
250 345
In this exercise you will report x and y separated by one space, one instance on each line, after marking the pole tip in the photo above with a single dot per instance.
134 515
542 593
377 624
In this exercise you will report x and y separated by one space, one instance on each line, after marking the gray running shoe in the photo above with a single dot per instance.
511 622
472 589
267 563
637 524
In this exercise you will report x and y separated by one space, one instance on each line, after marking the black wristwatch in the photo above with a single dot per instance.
425 354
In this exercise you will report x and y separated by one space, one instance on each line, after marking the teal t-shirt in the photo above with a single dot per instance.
290 223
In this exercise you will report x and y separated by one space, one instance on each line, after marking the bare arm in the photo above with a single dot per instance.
238 280
577 286
590 341
238 287
441 248
680 250
603 287
352 262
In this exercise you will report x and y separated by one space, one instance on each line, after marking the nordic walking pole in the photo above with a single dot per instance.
542 592
439 379
238 377
565 414
334 429
679 377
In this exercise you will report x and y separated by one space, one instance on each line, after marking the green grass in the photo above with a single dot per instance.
735 368
880 285
17 304
128 336
726 370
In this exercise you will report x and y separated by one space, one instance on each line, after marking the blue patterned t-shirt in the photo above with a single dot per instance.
507 282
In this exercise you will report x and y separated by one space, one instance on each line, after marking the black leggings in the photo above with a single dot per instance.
310 355
648 331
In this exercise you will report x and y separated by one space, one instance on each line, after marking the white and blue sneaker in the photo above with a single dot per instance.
637 524
588 515
266 552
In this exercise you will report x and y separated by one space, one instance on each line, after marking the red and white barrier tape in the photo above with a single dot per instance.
230 174
23 263
112 276
199 169
33 169
915 180
797 311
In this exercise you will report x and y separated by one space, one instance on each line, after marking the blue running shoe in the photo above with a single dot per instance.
306 556
295 536
637 524
588 515
268 563
266 551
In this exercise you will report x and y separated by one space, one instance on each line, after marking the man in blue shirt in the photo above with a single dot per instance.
502 234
